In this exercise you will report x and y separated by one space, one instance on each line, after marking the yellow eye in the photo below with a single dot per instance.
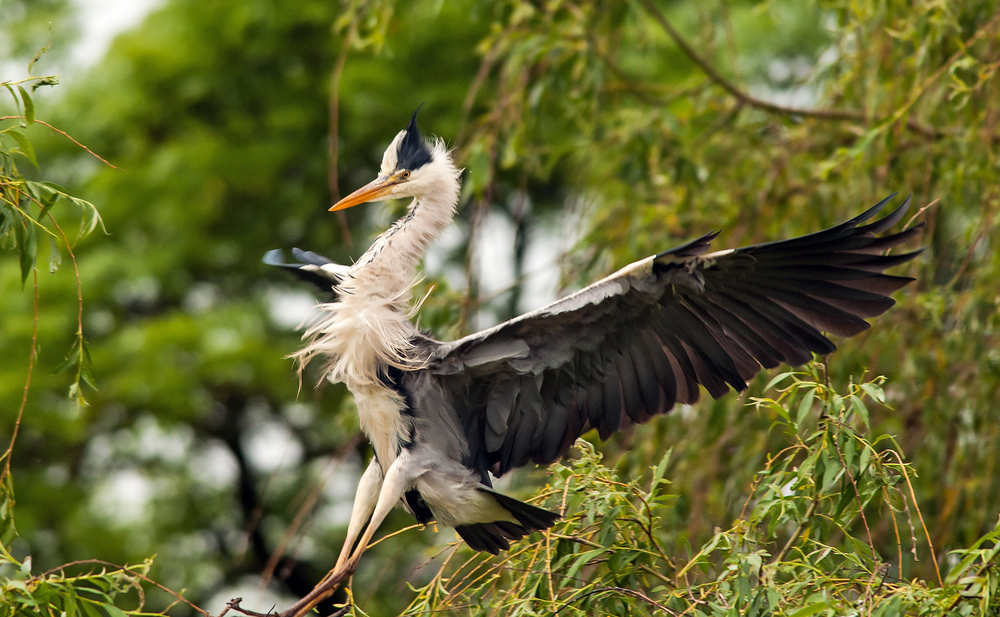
404 175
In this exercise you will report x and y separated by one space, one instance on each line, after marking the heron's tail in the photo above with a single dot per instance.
496 536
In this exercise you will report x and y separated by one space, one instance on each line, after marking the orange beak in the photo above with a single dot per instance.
373 191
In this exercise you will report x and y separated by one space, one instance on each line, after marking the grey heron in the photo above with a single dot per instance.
445 417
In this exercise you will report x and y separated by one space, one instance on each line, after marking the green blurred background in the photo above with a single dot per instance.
589 139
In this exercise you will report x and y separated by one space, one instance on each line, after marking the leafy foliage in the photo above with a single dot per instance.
26 210
801 547
94 594
650 122
20 228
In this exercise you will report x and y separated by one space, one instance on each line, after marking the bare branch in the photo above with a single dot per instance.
752 101
67 136
307 506
332 142
324 590
126 569
32 356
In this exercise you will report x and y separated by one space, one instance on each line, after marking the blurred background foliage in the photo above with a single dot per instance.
592 133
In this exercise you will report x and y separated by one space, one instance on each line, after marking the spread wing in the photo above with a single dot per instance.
313 268
643 339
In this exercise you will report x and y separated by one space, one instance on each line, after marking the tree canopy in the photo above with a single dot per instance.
164 418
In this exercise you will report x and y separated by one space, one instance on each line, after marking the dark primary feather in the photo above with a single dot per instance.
642 340
311 269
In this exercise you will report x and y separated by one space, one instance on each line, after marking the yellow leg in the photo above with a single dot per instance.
369 488
397 480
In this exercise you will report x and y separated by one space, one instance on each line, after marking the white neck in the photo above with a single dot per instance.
369 327
389 266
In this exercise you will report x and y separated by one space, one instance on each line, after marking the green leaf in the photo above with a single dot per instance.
55 256
7 530
776 408
24 146
87 377
29 106
89 219
778 379
812 609
16 584
866 455
874 391
69 602
114 611
102 597
831 475
858 406
660 470
847 497
27 244
71 358
88 607
47 200
39 54
52 186
75 395
850 448
17 101
805 406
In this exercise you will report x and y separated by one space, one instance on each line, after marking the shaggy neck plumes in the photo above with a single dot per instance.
369 328
394 255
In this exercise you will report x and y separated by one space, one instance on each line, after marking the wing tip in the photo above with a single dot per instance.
692 248
274 257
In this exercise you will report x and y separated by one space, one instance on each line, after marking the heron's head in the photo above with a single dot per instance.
411 167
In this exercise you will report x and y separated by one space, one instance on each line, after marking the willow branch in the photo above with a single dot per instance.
67 136
333 179
32 356
797 533
324 590
756 103
100 562
913 496
307 507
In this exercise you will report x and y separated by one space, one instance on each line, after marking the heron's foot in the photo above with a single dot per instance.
349 566
326 588
341 563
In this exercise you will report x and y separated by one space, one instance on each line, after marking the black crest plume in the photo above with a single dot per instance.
413 152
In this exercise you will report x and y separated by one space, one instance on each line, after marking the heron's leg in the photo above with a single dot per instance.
364 502
398 479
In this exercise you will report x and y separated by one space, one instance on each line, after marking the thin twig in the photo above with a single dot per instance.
621 590
797 533
67 136
895 528
473 93
101 562
920 515
229 605
660 575
234 605
32 356
857 497
333 179
822 114
76 273
79 314
920 211
985 226
324 590
307 507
